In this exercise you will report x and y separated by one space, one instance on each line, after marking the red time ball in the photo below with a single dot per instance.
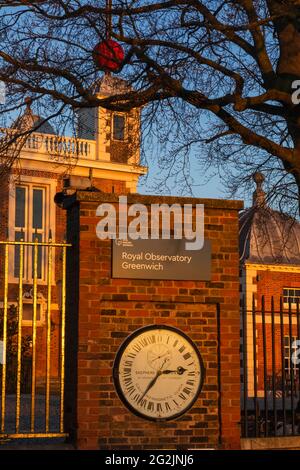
108 55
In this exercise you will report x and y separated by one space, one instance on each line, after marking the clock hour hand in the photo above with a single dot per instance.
180 370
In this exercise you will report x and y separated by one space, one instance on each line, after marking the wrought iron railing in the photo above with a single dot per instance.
13 422
270 368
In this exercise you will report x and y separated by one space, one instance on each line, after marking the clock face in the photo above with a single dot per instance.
158 372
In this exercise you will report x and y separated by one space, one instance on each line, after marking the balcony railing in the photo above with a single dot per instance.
56 147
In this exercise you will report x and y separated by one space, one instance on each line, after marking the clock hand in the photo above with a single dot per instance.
158 373
151 384
159 357
180 370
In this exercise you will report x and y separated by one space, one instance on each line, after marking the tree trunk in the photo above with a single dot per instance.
288 30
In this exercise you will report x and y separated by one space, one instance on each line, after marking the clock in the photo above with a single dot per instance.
158 372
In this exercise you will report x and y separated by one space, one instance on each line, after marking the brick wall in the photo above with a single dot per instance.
102 311
279 363
271 283
123 151
110 186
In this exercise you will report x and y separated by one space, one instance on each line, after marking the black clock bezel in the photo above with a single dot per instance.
116 365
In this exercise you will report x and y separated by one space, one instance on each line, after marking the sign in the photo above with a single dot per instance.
160 259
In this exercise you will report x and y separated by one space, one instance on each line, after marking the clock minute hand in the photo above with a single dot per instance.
151 384
158 373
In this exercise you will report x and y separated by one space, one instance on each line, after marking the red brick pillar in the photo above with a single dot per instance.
103 311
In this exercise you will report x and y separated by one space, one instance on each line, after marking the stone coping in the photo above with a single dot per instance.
268 443
66 201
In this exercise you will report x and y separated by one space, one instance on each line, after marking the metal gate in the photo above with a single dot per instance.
32 402
270 367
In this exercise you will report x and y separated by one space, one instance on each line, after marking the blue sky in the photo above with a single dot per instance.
214 188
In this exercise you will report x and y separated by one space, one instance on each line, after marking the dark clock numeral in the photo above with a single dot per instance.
182 349
190 382
186 356
148 340
137 347
192 373
137 397
127 371
158 407
152 339
131 355
128 381
130 389
143 403
185 393
144 342
150 406
182 396
167 406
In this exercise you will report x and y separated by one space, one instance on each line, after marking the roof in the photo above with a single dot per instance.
29 120
268 236
109 85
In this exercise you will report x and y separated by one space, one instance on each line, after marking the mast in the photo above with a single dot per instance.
108 21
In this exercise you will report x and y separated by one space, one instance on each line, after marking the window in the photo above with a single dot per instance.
30 223
291 295
28 313
290 346
118 127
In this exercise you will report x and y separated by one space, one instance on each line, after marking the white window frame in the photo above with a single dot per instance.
293 304
49 221
123 115
41 303
288 353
